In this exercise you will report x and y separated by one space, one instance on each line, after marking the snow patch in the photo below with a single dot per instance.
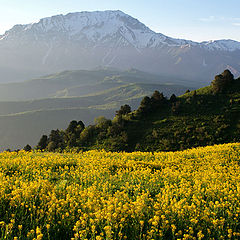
204 63
47 54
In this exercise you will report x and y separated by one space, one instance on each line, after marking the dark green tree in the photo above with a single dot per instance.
222 82
194 94
115 129
176 107
157 96
52 146
157 99
145 106
173 98
125 109
87 135
72 133
72 126
80 126
56 140
146 102
43 142
27 148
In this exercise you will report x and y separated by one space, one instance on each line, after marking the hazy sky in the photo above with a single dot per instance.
197 20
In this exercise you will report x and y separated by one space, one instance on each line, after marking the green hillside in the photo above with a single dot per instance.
207 116
78 83
56 97
107 99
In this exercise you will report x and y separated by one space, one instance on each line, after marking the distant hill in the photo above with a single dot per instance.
83 82
86 40
207 116
32 108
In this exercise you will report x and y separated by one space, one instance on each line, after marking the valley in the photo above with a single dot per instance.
32 108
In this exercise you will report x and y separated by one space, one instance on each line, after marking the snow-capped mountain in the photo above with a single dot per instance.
108 38
93 26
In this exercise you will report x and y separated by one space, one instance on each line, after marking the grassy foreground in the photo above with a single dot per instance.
193 194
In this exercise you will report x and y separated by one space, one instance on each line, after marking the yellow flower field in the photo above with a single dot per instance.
193 194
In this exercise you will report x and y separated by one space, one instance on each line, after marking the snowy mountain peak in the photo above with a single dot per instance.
225 45
109 27
95 26
73 22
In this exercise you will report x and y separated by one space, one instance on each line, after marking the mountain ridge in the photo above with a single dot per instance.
76 22
86 40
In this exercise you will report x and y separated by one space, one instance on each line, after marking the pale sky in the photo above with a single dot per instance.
197 20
